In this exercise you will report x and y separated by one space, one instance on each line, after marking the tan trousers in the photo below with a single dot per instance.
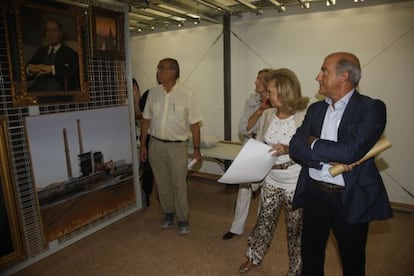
169 166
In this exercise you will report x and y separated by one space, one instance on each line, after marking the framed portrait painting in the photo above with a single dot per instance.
11 245
45 54
107 33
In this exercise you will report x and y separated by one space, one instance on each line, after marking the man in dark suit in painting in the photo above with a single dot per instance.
54 67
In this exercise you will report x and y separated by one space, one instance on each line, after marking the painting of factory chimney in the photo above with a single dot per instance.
82 161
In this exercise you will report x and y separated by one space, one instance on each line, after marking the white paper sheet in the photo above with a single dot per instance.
252 164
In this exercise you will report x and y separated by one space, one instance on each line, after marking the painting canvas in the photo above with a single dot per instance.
46 54
107 33
82 167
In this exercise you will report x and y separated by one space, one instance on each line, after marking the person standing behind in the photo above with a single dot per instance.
54 67
147 175
276 127
253 108
340 129
169 116
137 100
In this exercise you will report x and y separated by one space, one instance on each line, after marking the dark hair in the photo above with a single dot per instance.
52 20
174 64
134 82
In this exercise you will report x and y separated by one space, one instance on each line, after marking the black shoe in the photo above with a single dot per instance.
228 235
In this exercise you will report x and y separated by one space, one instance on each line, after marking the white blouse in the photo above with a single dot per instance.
282 131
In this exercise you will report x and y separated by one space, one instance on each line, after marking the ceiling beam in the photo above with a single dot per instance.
247 4
190 9
217 5
177 14
280 6
155 23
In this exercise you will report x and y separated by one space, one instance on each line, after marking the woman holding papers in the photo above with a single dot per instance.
276 127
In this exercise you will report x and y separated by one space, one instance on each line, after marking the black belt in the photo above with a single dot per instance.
283 166
328 187
167 141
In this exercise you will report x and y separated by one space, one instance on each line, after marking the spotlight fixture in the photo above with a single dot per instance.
279 6
330 3
304 4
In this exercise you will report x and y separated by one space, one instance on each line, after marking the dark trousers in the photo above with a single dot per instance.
147 177
323 211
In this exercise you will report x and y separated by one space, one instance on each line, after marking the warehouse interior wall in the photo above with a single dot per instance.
381 36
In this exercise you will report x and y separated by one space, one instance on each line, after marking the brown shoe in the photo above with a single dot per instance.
246 266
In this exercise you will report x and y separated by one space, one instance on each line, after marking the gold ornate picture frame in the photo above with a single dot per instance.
11 245
27 40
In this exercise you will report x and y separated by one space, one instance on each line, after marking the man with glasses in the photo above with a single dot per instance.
169 116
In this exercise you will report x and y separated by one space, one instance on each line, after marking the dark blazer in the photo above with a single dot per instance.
66 66
363 122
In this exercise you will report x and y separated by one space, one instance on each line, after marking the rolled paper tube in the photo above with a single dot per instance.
379 147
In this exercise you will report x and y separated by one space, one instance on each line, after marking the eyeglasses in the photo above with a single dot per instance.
162 68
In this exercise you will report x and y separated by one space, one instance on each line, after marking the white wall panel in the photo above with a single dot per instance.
381 36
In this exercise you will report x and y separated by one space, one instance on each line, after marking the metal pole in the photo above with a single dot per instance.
227 76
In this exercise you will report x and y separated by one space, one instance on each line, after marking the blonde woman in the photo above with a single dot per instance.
276 127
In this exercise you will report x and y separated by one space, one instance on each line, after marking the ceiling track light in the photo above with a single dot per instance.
279 6
304 4
211 6
330 3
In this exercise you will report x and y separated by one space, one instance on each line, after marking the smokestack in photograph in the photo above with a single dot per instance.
79 136
65 140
